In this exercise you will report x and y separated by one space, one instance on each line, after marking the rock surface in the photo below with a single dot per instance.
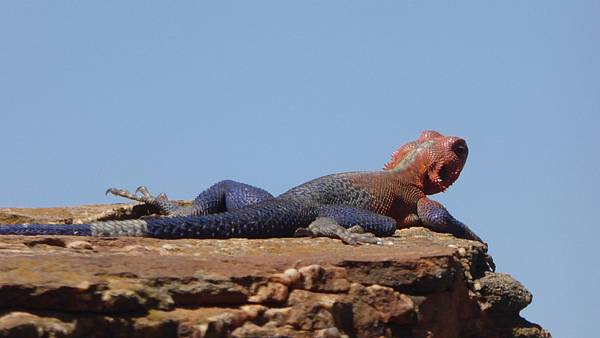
423 285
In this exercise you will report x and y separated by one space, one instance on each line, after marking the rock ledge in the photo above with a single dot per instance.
424 285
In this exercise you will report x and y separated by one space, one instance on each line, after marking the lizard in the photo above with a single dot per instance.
356 207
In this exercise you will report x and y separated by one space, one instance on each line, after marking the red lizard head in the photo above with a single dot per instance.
435 160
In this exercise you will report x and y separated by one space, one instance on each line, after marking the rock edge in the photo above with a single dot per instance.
423 285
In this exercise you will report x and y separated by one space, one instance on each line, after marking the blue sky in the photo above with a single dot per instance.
179 95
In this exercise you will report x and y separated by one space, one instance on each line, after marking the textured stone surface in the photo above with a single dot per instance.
424 285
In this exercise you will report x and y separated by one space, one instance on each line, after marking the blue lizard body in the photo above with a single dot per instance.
378 201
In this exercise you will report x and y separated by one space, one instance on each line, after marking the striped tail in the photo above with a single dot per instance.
110 228
270 218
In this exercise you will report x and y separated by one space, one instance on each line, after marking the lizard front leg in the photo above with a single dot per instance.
434 216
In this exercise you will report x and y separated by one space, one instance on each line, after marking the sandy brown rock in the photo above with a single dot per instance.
423 285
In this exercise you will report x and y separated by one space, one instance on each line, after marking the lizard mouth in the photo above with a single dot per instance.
446 175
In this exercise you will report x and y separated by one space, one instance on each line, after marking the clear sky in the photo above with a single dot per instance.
179 95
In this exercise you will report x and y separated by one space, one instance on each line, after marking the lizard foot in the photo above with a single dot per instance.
327 227
159 203
489 262
142 194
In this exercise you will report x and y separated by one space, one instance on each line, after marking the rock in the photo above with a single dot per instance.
381 304
422 285
50 241
503 295
269 292
317 278
80 245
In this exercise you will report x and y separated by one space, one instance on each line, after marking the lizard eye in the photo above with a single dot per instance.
460 148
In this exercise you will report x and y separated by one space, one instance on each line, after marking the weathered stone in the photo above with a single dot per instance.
387 304
317 278
421 276
276 316
502 294
50 241
422 285
327 300
289 277
22 324
269 293
374 307
200 290
310 317
320 310
251 330
451 313
80 245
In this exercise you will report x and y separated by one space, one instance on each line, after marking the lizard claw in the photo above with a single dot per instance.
143 191
489 261
160 204
142 194
147 195
123 193
303 232
487 258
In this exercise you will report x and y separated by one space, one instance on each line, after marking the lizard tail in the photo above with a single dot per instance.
270 218
46 229
110 228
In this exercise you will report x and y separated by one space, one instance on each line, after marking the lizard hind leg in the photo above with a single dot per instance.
328 227
351 225
227 195
160 203
223 196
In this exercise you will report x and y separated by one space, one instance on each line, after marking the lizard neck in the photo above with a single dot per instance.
408 175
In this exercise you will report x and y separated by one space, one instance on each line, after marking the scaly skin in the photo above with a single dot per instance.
379 202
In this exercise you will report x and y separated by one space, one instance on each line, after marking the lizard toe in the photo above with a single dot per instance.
123 193
303 232
142 190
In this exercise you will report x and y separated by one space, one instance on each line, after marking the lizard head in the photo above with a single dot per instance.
435 160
